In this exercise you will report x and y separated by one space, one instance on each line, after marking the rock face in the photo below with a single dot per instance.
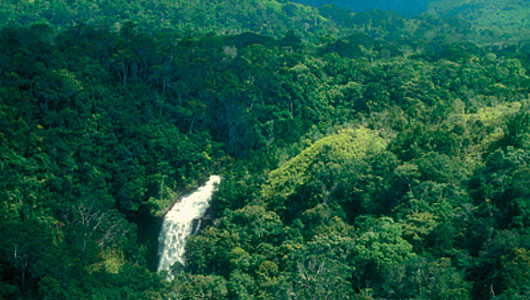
182 220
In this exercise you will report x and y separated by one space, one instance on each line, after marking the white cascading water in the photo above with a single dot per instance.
178 223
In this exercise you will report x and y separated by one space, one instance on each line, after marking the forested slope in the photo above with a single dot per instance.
504 20
390 161
492 21
270 17
407 8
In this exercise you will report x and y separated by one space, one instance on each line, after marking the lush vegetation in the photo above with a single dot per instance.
504 19
184 16
408 8
363 156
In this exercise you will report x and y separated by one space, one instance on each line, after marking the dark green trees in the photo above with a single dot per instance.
385 161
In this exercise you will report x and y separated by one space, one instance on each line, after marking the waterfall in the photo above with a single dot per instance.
178 223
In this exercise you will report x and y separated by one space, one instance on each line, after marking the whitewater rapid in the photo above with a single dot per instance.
178 223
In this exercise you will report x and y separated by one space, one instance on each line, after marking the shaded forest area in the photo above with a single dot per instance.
363 156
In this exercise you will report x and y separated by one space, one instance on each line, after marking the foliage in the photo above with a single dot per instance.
363 155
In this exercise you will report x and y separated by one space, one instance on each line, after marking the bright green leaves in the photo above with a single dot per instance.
239 259
380 243
386 267
323 169
419 224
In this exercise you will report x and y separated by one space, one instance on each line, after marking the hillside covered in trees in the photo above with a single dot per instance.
408 8
363 155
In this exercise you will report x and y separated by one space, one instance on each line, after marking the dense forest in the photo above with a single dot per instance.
408 8
363 155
